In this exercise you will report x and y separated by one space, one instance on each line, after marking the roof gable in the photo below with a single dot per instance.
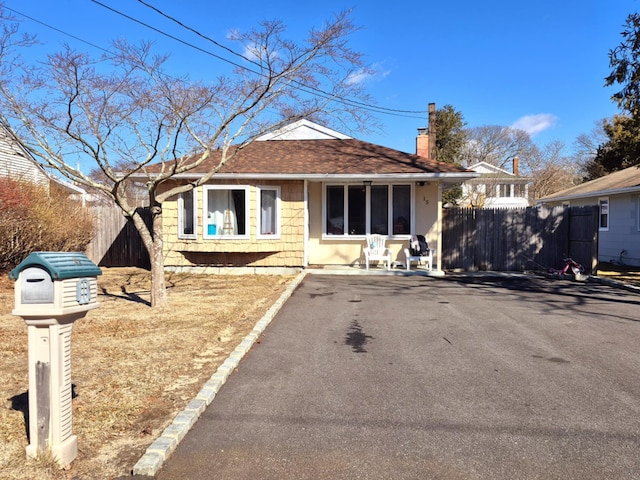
302 130
487 168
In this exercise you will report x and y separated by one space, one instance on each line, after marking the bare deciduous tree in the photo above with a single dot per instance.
496 145
125 112
552 170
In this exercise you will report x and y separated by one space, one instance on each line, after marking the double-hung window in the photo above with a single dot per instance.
226 211
268 212
358 210
603 204
187 215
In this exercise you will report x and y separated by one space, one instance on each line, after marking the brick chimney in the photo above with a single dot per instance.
426 139
516 165
422 142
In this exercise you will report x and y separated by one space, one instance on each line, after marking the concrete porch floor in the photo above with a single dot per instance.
373 270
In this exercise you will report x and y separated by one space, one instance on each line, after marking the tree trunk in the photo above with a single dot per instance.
158 285
152 240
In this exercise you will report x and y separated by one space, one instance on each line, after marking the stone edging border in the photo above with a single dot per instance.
156 454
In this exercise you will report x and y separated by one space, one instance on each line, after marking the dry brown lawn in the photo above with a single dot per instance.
620 273
133 367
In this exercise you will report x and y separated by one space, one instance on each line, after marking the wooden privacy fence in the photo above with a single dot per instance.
534 238
117 243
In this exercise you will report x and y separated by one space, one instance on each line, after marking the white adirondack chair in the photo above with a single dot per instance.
376 250
426 257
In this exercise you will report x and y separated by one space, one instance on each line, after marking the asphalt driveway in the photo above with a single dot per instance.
430 378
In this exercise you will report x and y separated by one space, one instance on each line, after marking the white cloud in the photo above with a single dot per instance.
374 72
359 77
534 124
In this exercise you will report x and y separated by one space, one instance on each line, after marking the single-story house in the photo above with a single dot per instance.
495 187
306 195
617 196
17 163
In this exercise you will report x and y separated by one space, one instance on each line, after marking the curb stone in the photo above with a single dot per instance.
614 283
155 455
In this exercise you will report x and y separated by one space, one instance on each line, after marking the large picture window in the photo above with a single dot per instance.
269 212
359 210
187 215
226 211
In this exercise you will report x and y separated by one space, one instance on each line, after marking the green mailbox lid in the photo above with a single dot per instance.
60 265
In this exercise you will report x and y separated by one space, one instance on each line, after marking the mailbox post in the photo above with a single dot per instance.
53 290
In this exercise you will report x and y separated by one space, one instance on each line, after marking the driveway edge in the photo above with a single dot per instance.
155 455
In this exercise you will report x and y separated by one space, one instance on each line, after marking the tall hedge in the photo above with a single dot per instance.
34 219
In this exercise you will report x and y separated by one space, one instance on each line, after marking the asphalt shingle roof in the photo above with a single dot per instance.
326 156
620 180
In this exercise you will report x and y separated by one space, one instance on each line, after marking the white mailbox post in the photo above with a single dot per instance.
53 290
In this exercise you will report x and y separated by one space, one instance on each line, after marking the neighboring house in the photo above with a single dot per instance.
306 195
495 188
617 196
17 163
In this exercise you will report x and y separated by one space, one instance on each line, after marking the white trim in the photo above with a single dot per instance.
360 237
194 201
205 205
330 177
306 234
278 233
596 194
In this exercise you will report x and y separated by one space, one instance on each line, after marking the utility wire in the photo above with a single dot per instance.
216 43
317 92
56 29
303 87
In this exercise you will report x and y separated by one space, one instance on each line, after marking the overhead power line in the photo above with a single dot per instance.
218 44
302 87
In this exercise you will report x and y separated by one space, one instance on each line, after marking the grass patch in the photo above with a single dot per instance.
620 273
133 368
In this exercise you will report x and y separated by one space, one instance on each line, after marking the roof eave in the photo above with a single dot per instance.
449 177
599 193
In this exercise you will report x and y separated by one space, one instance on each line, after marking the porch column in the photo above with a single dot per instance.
438 265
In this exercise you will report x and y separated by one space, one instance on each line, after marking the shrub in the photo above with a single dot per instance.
32 219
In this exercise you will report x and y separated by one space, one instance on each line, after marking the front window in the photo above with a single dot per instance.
187 215
379 209
382 209
226 211
335 210
401 209
269 208
504 190
604 213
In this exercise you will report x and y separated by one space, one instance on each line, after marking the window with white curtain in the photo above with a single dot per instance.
268 212
187 215
226 211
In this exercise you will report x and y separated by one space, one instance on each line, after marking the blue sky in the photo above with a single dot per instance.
537 65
